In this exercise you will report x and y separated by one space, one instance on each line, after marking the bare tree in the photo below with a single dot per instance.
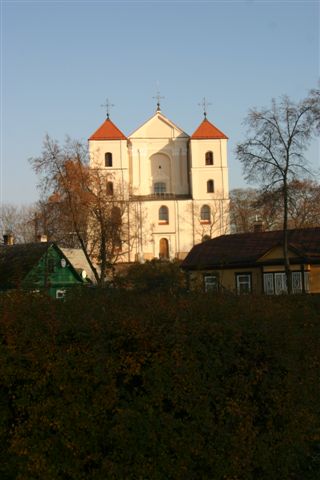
304 204
274 152
18 221
95 214
243 210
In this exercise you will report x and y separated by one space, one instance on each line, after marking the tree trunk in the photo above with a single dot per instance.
285 237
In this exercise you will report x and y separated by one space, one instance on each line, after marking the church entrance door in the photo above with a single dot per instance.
163 248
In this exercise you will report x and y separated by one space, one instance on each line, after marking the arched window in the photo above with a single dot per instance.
205 214
210 186
163 248
109 188
108 159
163 214
209 158
159 187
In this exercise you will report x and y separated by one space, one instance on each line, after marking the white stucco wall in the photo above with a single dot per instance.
159 151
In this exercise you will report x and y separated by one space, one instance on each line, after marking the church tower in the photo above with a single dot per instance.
108 151
209 179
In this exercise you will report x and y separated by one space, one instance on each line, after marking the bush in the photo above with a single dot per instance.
152 386
154 275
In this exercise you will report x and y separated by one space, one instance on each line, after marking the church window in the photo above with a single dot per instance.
209 158
163 214
205 214
109 188
108 159
159 188
210 186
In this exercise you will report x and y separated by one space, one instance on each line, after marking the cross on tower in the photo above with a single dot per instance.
158 97
108 105
204 104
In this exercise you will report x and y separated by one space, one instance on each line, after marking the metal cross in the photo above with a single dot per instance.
204 104
158 97
108 105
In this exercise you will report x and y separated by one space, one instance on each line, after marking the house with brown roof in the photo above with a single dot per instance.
254 263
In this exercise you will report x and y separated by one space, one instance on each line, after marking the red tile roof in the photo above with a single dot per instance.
108 131
207 130
244 249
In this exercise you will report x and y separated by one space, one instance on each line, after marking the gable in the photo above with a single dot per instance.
53 269
276 253
158 126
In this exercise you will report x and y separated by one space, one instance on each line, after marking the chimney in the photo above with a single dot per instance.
42 238
257 225
8 239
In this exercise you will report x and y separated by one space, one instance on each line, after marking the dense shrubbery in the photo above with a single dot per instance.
122 385
154 275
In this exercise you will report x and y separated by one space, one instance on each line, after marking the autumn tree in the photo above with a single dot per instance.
88 209
273 154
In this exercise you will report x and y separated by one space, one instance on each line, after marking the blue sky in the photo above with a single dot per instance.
60 60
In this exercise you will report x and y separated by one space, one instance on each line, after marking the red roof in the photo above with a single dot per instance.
207 130
108 131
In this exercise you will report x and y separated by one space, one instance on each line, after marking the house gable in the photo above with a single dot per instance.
52 270
276 253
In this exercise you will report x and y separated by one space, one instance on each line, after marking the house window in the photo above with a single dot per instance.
205 214
297 286
268 284
60 293
210 186
243 283
108 159
276 283
209 158
109 188
280 283
159 188
211 283
163 214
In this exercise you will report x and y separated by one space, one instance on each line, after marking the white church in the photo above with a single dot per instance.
176 184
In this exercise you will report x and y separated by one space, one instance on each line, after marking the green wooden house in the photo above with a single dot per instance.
38 267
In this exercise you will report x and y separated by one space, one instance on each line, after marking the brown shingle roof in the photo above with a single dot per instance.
16 261
244 249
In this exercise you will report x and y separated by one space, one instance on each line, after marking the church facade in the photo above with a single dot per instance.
176 185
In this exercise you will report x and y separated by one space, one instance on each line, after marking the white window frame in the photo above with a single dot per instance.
275 283
211 283
243 279
60 293
280 283
268 283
